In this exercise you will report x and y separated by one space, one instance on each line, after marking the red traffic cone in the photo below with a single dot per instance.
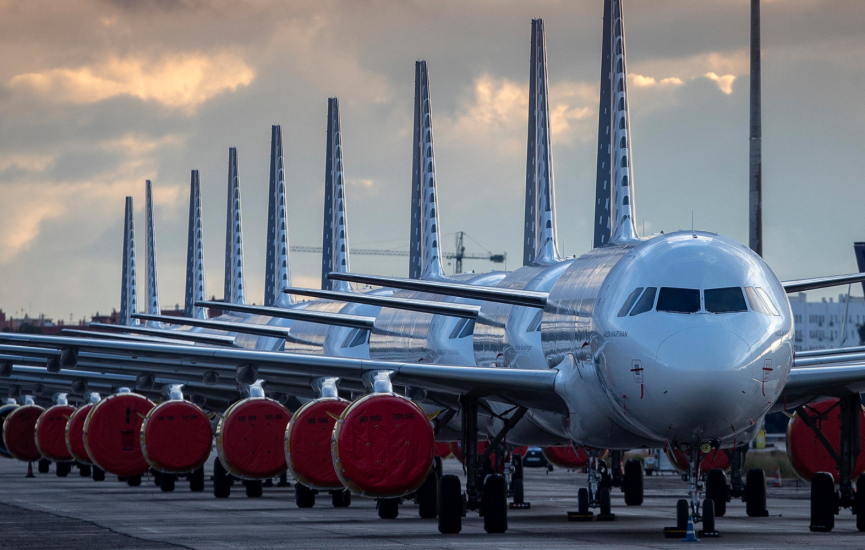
29 470
777 477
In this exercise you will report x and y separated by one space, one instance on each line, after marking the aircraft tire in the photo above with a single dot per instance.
98 474
716 490
708 516
196 480
254 488
428 496
583 501
221 484
755 493
341 499
682 511
633 482
450 505
388 508
604 501
44 465
63 468
84 470
823 504
167 482
495 504
304 496
157 477
134 481
517 462
519 490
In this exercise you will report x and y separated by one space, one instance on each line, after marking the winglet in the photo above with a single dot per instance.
424 256
335 240
128 290
278 271
234 285
195 282
152 286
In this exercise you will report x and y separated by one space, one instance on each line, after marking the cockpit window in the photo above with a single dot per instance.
629 303
535 325
724 300
356 337
647 300
463 328
765 295
679 300
760 301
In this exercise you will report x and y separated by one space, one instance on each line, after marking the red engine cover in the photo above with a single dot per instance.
807 454
111 434
176 437
443 449
51 433
716 458
4 412
566 457
19 433
249 438
75 434
457 450
383 446
307 442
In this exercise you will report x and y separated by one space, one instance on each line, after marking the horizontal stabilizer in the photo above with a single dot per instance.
801 285
825 352
243 328
170 334
527 298
423 306
113 336
336 319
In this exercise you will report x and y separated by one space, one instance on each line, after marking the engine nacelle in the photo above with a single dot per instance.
19 433
4 412
75 434
567 457
249 438
443 449
111 434
716 458
383 446
51 432
807 454
176 437
307 443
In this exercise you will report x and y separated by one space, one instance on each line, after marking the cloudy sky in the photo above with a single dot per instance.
97 96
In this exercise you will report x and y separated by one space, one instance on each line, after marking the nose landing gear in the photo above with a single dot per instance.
691 508
597 494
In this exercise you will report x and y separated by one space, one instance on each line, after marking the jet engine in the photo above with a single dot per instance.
249 438
567 457
111 434
805 450
19 433
307 442
4 412
383 446
51 433
176 437
75 434
443 449
716 458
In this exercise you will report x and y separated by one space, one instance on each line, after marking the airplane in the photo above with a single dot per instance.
681 339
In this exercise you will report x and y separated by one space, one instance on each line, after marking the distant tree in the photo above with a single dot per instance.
28 328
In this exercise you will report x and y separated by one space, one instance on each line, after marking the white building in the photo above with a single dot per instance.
820 325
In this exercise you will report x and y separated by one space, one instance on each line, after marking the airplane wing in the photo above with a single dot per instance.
801 285
531 388
835 380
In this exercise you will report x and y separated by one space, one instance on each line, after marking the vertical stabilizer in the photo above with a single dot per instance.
623 228
278 272
152 286
539 244
424 256
235 288
335 241
602 182
755 169
195 283
859 249
128 290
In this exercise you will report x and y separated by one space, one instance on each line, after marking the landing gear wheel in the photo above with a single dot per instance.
134 481
221 483
44 465
682 512
84 470
519 491
517 462
388 508
716 490
633 482
304 496
822 502
495 504
755 493
167 482
253 488
341 499
98 474
63 468
583 501
709 518
196 480
450 505
604 502
283 480
859 503
157 477
428 496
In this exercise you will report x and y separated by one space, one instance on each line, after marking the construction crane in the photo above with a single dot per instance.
457 256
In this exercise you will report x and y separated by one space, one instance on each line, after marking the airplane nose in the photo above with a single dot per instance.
704 372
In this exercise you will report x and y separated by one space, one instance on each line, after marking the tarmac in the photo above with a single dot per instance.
74 512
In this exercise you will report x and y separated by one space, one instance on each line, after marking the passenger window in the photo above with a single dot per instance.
679 300
536 321
724 300
629 303
647 300
767 300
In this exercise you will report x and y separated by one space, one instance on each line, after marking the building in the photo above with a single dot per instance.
821 325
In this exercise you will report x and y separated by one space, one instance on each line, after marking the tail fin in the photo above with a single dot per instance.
540 230
278 272
335 241
424 256
234 284
602 183
623 227
152 285
128 290
859 249
195 283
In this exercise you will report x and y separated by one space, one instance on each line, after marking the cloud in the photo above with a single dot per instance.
641 81
725 82
29 162
178 81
